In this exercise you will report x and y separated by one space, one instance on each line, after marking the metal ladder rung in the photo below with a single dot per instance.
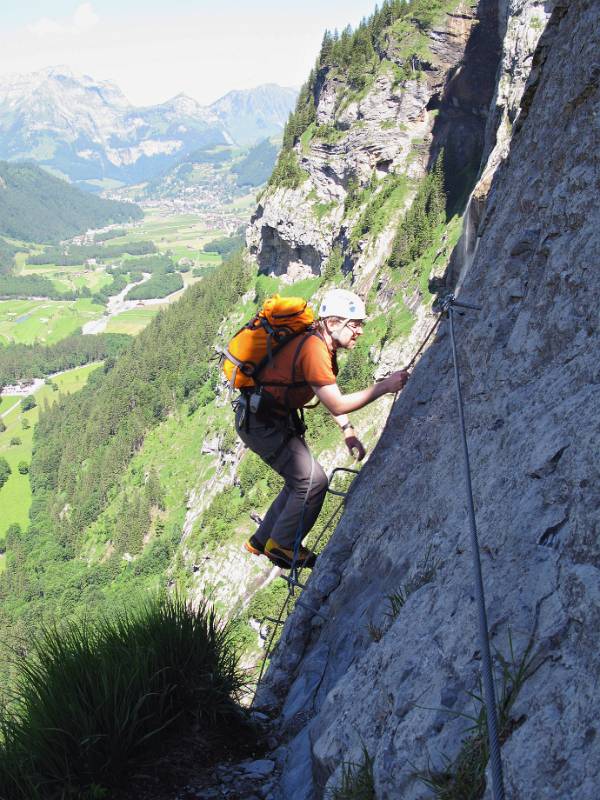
339 469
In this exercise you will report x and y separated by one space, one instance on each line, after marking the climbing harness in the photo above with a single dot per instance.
448 307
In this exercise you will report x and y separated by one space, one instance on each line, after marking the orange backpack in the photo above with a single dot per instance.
253 346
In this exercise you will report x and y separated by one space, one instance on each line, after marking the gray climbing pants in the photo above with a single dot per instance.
297 506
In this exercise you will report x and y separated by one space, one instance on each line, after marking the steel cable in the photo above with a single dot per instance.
484 638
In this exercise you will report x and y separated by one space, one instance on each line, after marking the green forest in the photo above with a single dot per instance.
37 207
256 168
225 245
7 254
71 255
22 362
159 285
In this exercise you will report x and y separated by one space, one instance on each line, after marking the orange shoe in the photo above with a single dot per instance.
254 546
284 558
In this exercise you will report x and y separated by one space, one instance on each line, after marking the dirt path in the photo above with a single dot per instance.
8 410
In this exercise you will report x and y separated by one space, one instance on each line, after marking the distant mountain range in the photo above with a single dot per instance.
87 131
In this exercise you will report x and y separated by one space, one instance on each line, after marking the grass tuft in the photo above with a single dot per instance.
92 702
463 778
357 781
423 574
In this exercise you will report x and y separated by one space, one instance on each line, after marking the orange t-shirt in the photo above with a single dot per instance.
315 365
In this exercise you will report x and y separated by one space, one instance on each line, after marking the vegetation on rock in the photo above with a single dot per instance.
427 211
394 35
93 703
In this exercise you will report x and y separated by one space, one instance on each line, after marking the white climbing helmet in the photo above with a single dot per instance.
343 304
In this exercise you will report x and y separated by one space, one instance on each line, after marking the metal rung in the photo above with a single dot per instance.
310 608
264 637
292 581
340 469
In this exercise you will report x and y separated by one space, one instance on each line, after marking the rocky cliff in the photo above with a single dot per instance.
431 89
392 669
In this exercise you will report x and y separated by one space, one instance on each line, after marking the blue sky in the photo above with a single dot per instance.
154 49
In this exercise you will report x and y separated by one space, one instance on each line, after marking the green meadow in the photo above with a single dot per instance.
15 495
69 279
184 230
6 402
133 321
27 321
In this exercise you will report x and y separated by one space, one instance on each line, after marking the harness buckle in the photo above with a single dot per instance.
255 401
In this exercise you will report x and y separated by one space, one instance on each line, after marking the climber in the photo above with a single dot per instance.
274 429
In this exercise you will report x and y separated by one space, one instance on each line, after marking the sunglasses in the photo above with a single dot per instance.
355 324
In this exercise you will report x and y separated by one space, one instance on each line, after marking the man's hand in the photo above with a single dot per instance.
396 381
353 443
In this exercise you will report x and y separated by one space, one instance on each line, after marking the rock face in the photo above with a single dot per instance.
396 683
398 127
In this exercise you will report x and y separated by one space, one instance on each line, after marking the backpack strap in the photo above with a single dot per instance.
271 353
293 383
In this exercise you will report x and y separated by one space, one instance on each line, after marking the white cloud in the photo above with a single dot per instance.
84 19
45 27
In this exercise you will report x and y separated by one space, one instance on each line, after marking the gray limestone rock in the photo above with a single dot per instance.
530 377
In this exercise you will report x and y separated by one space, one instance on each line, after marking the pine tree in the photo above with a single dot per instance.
139 523
437 197
121 526
326 50
154 490
333 268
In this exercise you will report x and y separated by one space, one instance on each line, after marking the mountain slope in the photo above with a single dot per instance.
37 207
379 107
87 131
217 174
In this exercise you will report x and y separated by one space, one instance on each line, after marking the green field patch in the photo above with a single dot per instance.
69 279
47 270
27 321
214 259
305 288
15 495
6 402
133 321
62 285
105 183
168 233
